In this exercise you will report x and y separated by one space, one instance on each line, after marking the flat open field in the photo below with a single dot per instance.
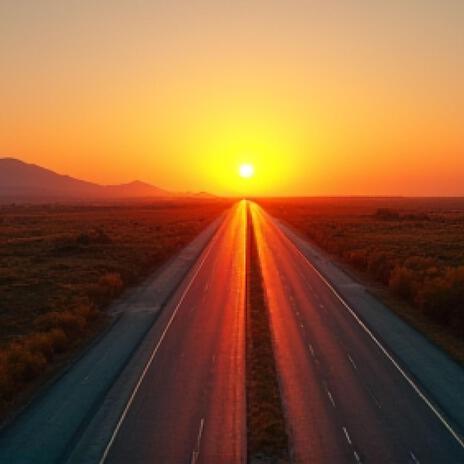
62 264
413 248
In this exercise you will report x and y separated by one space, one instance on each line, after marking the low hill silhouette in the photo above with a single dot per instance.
24 181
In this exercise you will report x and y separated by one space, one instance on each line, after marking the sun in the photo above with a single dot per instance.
246 170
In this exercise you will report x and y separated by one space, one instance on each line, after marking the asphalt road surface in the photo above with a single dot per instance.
345 400
189 406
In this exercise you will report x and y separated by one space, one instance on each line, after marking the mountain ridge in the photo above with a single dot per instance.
27 181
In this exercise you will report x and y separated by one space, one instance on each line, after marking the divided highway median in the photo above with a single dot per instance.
267 434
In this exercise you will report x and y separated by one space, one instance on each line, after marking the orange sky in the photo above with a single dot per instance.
323 97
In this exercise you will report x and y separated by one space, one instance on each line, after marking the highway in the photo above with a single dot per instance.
344 398
189 404
182 397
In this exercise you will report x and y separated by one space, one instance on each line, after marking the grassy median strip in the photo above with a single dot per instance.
267 435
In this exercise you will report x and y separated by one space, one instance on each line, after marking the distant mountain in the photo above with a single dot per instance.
136 189
23 181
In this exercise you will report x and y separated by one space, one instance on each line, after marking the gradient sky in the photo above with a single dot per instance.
323 97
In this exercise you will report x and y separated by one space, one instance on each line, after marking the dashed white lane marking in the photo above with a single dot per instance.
356 456
206 287
200 431
331 398
196 451
413 457
329 393
311 349
352 361
347 435
302 326
376 401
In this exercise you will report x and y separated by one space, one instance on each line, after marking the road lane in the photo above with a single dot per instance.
190 405
345 400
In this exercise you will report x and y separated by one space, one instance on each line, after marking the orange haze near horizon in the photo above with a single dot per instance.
322 98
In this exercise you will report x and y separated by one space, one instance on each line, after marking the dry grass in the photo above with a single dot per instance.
61 265
267 435
412 249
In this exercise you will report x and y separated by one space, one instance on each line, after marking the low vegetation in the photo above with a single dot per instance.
61 265
267 435
412 247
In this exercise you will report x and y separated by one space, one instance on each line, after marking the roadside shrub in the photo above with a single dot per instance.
108 287
379 266
387 214
403 282
455 276
357 258
420 263
71 323
110 284
435 300
76 243
442 298
7 385
24 364
417 217
98 236
59 340
87 311
40 343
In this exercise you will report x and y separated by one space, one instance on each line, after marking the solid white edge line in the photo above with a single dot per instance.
381 347
154 352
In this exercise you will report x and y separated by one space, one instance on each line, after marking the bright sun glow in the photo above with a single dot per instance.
246 170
